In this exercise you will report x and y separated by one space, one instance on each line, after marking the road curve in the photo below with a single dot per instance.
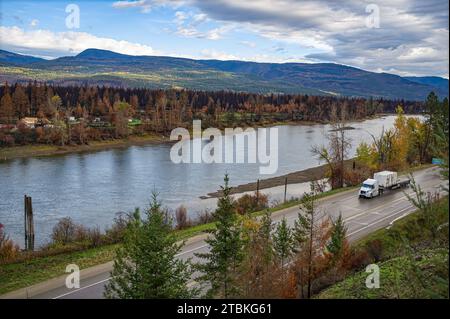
362 216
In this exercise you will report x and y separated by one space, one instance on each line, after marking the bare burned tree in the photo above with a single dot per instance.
338 145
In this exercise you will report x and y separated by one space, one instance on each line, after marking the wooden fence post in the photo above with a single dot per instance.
29 224
285 188
25 202
257 192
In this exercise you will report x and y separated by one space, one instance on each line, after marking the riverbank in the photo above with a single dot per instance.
14 152
303 176
42 150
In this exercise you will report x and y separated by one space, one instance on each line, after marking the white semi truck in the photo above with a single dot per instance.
380 182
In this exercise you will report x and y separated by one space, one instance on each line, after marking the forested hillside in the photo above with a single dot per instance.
101 67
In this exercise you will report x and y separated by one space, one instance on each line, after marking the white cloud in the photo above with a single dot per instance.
146 5
419 53
199 18
65 43
248 44
34 23
413 37
218 55
180 17
143 4
187 26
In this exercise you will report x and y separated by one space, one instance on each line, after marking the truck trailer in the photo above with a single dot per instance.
381 181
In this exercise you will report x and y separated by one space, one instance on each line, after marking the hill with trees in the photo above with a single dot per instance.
101 67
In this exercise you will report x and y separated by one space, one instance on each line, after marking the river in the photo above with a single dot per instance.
92 187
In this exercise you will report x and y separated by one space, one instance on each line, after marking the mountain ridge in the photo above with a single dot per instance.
105 66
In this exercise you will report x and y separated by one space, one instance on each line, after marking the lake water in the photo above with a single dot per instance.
92 187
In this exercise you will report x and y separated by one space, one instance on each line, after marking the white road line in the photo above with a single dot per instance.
400 217
377 208
379 220
191 250
352 208
359 223
82 288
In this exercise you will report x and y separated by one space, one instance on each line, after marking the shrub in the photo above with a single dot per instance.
251 203
8 250
181 217
374 249
116 232
205 217
357 259
95 236
81 233
65 231
356 177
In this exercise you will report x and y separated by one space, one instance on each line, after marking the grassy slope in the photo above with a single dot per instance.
422 273
19 275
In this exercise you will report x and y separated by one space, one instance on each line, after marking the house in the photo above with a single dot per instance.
30 121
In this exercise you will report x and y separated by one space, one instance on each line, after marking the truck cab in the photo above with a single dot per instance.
369 188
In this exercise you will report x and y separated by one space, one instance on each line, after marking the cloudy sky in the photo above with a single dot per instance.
405 37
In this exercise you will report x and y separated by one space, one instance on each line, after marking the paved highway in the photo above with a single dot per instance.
362 216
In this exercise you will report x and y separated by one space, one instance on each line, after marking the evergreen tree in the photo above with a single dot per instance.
337 242
264 233
146 265
225 252
304 222
283 241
